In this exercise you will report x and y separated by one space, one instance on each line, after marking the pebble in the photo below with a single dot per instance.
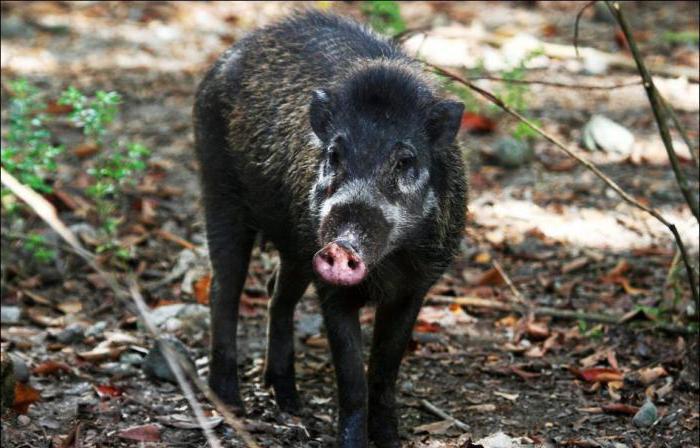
10 314
131 358
71 334
155 365
646 415
512 153
96 329
20 369
603 133
23 420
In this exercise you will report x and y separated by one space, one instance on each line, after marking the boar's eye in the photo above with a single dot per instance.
405 158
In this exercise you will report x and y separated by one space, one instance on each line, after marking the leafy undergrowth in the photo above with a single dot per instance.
80 357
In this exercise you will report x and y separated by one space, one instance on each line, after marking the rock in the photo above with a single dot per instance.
20 369
96 329
646 415
161 314
10 314
155 365
71 334
512 153
131 358
603 133
308 325
499 440
8 382
23 420
16 27
595 63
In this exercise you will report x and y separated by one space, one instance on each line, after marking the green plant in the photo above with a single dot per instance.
384 16
681 37
36 245
27 151
92 115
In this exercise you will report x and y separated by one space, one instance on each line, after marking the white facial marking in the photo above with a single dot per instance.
414 187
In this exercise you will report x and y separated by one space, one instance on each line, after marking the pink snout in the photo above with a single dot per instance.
338 264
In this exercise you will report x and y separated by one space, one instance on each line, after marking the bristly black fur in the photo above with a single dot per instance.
259 159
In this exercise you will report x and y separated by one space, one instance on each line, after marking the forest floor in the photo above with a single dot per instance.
562 237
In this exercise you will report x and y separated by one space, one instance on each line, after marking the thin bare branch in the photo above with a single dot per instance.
610 319
585 162
175 362
444 415
681 130
578 19
659 109
556 84
48 214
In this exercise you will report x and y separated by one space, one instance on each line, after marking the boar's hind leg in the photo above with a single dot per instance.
230 243
286 289
341 317
393 327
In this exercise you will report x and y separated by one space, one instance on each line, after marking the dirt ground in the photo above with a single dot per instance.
562 237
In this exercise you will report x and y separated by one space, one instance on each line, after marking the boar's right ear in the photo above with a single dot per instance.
320 113
444 119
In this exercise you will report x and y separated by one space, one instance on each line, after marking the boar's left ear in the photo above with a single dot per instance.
320 113
444 119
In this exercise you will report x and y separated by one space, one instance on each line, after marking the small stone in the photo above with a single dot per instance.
20 369
131 358
71 334
155 365
603 133
161 314
646 415
172 325
23 420
10 314
96 329
512 153
595 63
308 325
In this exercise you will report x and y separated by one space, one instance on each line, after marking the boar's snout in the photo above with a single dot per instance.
338 264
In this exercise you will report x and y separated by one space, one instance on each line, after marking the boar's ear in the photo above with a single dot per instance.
444 119
320 113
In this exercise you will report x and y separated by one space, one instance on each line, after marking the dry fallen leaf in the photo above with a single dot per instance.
144 433
201 289
108 391
439 427
649 375
50 368
24 396
186 422
507 396
598 374
490 278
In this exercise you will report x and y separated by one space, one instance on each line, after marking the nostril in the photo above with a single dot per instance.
352 264
328 259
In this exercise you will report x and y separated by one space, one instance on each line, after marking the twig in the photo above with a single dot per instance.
444 415
175 362
578 19
659 109
47 212
555 84
681 130
588 164
519 297
602 318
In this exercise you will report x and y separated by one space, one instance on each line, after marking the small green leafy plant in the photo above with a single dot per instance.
29 154
27 151
384 16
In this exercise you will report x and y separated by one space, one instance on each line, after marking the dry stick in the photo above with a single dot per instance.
681 130
476 302
444 415
520 298
556 84
660 112
578 19
47 212
175 362
589 165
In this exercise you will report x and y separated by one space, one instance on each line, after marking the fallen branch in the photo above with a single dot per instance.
444 415
47 213
588 164
175 362
602 318
659 108
556 84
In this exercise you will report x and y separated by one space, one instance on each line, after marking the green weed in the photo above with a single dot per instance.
384 16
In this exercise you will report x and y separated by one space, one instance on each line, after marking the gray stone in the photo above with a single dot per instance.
512 153
10 314
96 329
155 365
646 415
71 334
603 133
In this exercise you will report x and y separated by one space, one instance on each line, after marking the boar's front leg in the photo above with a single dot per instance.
341 317
392 330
